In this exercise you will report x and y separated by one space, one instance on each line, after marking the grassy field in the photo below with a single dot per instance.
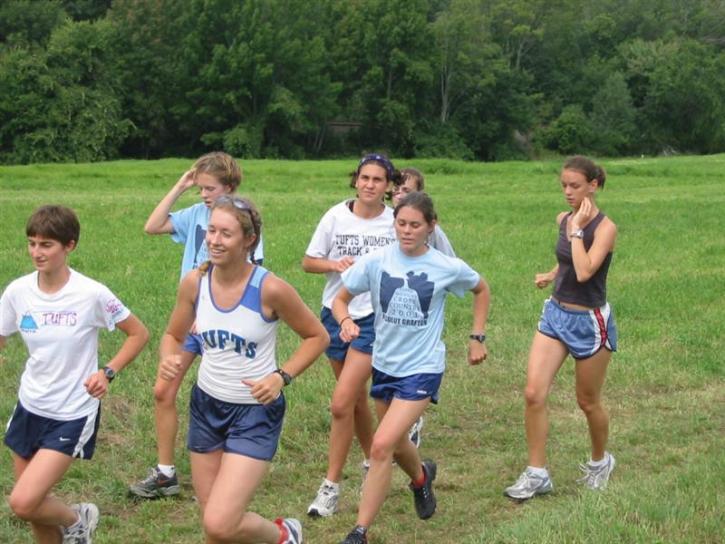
664 391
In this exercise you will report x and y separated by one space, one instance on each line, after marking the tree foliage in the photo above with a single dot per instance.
474 79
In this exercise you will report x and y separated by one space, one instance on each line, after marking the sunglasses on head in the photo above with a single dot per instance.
238 203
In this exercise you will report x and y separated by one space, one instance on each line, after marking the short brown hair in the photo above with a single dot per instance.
54 222
414 174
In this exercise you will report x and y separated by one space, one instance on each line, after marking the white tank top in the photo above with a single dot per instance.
239 343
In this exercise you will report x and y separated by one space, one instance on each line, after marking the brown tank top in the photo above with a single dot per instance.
591 293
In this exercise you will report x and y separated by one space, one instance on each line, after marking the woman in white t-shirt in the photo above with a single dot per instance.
346 232
58 313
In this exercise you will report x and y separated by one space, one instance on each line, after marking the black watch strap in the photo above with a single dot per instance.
478 337
286 377
109 373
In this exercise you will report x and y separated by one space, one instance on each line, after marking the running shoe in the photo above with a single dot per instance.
325 503
425 500
82 532
597 476
155 485
528 485
291 529
415 430
356 536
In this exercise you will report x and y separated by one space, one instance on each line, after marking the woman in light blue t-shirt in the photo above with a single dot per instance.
408 283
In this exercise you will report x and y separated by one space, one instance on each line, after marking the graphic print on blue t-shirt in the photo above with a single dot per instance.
388 285
423 287
406 305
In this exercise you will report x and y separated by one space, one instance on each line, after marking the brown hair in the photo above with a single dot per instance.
414 174
248 216
391 174
586 167
418 201
54 222
221 166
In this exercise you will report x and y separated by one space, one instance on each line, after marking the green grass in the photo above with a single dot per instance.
664 389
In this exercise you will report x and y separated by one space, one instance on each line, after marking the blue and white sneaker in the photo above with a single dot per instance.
291 530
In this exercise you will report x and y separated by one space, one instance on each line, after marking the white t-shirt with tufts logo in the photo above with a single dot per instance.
60 331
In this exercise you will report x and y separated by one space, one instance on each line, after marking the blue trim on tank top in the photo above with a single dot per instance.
251 297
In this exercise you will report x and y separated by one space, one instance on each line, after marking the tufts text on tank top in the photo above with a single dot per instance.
218 339
354 245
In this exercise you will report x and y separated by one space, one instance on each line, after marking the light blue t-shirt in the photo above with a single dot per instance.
190 226
408 295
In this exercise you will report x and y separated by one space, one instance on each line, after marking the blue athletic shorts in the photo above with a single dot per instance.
251 430
337 350
28 432
415 387
193 343
583 332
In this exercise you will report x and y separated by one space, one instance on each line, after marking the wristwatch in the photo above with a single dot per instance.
286 377
478 337
578 233
109 372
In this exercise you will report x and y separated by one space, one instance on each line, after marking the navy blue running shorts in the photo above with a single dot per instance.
337 350
251 430
28 432
414 387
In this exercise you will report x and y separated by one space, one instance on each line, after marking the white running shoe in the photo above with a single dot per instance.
528 485
325 504
415 430
597 476
82 532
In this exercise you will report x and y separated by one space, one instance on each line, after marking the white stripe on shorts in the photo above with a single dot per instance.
86 434
606 312
10 419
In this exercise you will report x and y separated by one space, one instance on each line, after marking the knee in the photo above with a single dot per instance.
588 404
23 506
535 398
381 449
219 528
165 392
341 408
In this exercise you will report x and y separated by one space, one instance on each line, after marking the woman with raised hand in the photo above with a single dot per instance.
578 321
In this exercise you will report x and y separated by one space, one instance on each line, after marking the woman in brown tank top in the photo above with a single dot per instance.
576 321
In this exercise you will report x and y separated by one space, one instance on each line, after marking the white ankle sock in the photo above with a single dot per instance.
167 470
601 462
538 471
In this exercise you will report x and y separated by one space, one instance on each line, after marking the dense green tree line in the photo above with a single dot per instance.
85 80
